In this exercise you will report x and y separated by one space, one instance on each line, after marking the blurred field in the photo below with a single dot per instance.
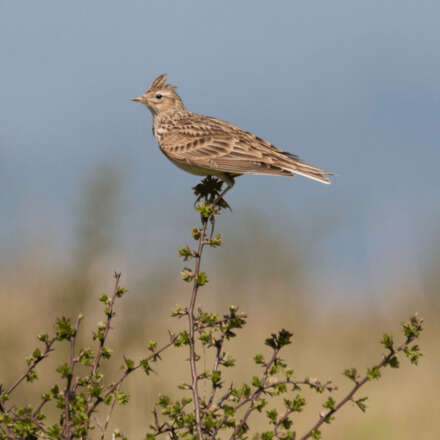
259 270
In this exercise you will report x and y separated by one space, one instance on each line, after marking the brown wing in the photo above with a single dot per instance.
211 143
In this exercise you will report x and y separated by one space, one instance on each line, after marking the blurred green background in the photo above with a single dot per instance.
84 190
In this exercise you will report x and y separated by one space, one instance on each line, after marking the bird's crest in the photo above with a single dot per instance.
159 83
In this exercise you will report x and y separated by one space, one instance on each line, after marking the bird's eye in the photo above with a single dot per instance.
159 96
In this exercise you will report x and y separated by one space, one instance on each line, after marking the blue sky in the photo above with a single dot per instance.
350 86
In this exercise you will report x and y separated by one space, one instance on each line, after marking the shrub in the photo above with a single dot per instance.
80 390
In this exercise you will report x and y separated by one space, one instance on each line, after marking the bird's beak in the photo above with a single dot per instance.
137 99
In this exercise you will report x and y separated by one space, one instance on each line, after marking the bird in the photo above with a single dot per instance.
207 146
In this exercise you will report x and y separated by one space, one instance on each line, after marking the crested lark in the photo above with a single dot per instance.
207 146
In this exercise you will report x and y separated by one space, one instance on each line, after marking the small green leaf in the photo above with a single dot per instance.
201 279
280 388
64 329
122 398
195 232
64 370
373 373
145 366
387 341
163 401
86 356
106 353
228 410
351 373
205 209
260 404
216 378
31 376
272 415
152 345
95 389
129 364
256 382
413 354
186 253
121 291
229 361
361 403
277 341
413 327
178 312
43 337
54 431
316 434
182 339
37 354
187 275
296 405
393 362
329 403
103 298
216 241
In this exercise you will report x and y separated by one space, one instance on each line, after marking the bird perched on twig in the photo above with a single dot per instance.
208 146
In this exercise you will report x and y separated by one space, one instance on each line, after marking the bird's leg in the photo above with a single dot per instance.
222 194
229 181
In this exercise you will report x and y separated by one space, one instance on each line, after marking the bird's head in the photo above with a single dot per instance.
161 98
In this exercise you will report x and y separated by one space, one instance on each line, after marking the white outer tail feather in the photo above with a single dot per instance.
318 179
